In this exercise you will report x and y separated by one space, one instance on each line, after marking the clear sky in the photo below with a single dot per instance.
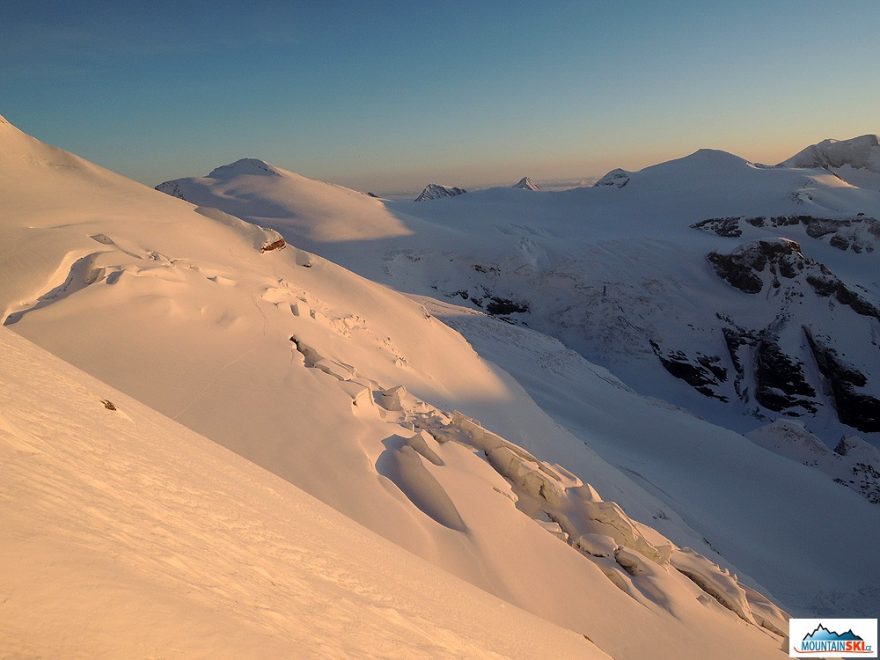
390 95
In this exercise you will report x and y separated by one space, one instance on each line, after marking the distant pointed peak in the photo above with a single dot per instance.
526 184
438 191
245 166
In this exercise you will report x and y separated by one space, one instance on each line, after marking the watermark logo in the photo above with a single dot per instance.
832 638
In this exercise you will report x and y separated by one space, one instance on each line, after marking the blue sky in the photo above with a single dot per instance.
389 95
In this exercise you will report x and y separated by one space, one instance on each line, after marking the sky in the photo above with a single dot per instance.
387 96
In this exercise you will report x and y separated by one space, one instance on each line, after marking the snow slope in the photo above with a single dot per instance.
124 534
856 161
350 392
622 274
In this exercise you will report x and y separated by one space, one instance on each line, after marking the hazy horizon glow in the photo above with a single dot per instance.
387 96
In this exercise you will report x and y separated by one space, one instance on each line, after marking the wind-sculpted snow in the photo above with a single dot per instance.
125 534
600 530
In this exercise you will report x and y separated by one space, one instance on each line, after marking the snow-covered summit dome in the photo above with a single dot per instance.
244 166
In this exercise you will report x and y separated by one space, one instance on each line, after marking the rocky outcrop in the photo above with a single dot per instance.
747 267
277 244
854 408
171 188
703 373
827 284
740 343
857 234
727 227
436 191
781 385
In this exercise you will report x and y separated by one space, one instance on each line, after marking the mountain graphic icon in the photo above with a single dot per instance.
822 633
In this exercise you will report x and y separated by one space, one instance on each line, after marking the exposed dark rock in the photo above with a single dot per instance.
480 268
740 268
171 188
828 284
701 374
735 273
780 381
858 234
839 242
274 245
727 227
503 306
736 338
854 408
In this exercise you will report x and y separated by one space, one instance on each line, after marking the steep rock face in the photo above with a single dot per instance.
827 284
772 371
750 266
437 191
781 383
859 410
703 372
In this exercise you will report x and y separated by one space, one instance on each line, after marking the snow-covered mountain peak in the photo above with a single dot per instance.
711 158
244 166
438 191
526 184
862 152
616 177
704 166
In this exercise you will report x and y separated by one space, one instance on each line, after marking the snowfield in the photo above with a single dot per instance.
481 486
125 534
